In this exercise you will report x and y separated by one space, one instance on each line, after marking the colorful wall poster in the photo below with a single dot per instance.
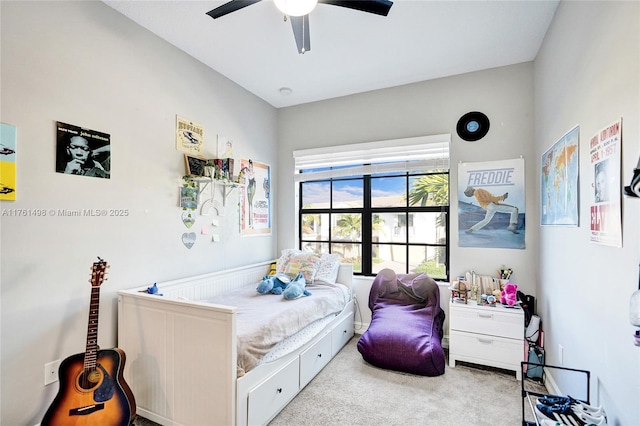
82 151
491 204
8 142
189 136
559 181
606 215
255 204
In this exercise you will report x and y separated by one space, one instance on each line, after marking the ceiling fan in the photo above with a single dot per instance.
298 13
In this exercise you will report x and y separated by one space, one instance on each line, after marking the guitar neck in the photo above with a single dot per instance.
91 350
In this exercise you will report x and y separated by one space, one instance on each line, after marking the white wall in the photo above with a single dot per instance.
85 64
588 73
431 107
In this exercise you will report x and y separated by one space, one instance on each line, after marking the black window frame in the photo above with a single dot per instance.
367 212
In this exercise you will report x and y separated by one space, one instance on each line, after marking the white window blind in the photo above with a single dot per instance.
422 153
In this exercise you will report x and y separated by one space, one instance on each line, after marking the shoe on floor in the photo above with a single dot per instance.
591 420
591 410
554 400
550 410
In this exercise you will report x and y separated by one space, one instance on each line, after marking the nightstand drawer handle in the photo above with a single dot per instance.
489 316
487 341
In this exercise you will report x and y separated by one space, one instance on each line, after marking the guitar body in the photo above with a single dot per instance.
99 396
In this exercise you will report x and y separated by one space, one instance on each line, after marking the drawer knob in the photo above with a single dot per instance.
345 331
319 355
279 390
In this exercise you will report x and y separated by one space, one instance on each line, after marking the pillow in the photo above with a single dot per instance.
328 269
282 261
307 263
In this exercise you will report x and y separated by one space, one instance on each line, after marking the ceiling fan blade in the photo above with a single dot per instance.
379 7
300 25
229 7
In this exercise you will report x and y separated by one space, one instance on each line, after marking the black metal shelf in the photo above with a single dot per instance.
527 394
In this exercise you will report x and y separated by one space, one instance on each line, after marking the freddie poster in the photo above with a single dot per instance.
491 204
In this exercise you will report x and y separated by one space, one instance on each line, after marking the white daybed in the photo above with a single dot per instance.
182 353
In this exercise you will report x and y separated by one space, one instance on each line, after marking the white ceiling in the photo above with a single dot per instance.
351 51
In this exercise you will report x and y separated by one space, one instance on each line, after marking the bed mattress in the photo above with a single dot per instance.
265 320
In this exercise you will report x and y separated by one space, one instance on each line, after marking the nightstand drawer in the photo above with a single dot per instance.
481 348
493 321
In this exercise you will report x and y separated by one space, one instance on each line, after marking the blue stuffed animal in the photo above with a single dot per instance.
296 288
273 284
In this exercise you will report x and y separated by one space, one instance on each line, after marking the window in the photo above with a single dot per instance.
374 213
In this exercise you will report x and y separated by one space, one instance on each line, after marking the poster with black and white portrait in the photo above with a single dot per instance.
82 152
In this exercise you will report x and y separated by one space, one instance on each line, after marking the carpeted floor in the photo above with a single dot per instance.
348 391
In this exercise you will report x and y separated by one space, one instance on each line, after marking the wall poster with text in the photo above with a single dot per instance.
605 212
491 204
189 136
255 201
83 152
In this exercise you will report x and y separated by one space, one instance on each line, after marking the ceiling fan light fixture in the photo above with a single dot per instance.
295 7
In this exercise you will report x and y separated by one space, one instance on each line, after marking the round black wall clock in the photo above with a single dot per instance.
473 126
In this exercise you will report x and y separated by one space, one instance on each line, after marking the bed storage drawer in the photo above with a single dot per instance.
268 398
341 334
314 359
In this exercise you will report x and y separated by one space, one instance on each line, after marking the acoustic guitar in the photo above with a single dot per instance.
92 387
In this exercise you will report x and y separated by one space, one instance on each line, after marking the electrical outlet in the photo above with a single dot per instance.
560 355
51 372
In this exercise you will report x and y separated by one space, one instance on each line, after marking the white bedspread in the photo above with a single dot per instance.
263 320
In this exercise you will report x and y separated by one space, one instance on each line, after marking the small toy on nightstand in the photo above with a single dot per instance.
459 291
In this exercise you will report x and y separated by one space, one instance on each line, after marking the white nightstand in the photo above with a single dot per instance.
486 335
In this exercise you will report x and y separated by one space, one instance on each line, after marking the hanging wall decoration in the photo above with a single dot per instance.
255 214
559 181
82 151
8 141
189 239
491 204
189 136
606 216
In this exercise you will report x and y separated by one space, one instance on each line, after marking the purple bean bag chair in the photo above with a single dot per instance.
406 324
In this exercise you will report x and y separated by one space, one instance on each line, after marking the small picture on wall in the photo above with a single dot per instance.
189 136
8 141
225 147
82 151
188 198
255 207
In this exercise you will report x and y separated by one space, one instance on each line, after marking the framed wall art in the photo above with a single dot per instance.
255 201
559 181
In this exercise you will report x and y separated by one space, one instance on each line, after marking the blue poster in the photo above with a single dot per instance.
559 182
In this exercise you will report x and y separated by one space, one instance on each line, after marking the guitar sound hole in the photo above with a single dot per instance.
89 379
